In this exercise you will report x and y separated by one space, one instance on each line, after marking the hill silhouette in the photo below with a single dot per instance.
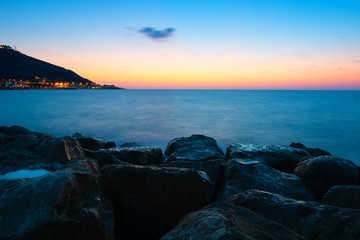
18 66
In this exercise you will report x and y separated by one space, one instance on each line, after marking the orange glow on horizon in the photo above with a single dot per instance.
325 78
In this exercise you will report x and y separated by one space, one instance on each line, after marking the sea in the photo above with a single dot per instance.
329 120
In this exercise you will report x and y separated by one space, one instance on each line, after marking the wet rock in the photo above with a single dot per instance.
4 138
321 173
137 155
129 145
102 158
282 158
148 201
110 145
64 204
213 168
61 149
26 148
314 152
88 142
195 148
243 175
15 131
343 196
311 219
220 221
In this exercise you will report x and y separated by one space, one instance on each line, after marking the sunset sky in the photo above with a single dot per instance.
242 44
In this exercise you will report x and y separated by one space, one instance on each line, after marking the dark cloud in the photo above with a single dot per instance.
157 34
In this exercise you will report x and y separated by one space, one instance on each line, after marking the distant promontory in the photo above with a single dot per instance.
19 71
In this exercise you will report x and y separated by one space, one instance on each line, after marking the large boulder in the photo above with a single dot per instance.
321 173
89 142
103 158
225 221
21 148
242 175
148 201
61 205
314 152
194 148
282 158
311 219
214 168
343 196
137 155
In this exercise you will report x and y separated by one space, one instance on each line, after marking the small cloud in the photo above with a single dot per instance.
157 34
357 61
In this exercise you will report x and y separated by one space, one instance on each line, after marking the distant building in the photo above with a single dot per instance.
6 47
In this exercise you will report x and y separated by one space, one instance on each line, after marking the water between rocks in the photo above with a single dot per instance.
24 174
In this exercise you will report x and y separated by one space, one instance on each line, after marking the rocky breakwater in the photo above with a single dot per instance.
92 189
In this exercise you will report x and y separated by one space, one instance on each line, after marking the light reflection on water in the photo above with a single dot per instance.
325 119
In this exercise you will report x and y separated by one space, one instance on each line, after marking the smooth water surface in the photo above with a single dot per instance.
325 119
24 174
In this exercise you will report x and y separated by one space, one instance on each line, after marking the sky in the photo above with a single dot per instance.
198 44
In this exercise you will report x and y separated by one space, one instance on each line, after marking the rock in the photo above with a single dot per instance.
343 196
64 204
88 142
311 219
194 148
14 131
213 168
321 173
129 145
24 148
110 145
282 158
102 158
148 201
243 175
137 155
225 221
4 138
314 152
60 149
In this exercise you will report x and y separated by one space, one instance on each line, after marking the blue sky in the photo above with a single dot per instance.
234 39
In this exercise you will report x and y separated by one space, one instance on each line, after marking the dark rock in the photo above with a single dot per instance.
225 221
137 155
110 145
148 201
129 145
311 219
194 148
4 138
60 149
282 158
88 142
343 196
102 158
14 131
60 205
243 175
314 152
213 168
26 148
321 173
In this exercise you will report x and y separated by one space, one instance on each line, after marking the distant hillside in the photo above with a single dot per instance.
18 66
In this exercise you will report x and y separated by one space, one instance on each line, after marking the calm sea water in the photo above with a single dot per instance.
325 119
